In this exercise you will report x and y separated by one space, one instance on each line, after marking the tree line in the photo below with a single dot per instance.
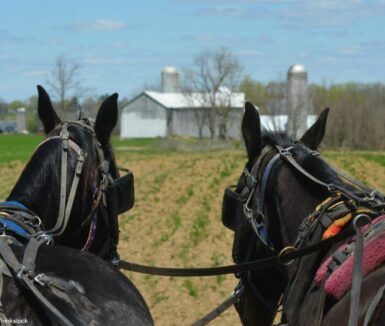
357 110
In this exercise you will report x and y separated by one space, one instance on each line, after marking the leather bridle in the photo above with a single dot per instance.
66 203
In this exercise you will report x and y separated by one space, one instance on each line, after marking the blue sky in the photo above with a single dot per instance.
122 45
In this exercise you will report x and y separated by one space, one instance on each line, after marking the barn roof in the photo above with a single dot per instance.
196 100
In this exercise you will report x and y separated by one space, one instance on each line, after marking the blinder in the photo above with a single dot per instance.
232 204
121 193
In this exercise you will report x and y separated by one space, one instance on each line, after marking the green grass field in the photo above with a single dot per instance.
176 220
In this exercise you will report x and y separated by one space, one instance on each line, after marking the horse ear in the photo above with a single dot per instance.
314 135
47 113
251 130
106 118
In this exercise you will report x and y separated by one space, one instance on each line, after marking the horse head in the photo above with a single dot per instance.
68 181
268 204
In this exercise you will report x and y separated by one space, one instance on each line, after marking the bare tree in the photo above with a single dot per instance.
65 81
213 78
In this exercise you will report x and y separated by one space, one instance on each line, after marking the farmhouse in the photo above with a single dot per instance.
173 113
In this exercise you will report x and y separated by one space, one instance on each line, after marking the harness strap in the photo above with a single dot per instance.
331 188
26 271
237 268
265 178
66 205
288 156
355 293
3 317
373 305
12 204
63 183
62 319
226 304
30 253
71 197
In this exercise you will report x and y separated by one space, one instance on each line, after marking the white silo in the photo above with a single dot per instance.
170 80
297 100
21 120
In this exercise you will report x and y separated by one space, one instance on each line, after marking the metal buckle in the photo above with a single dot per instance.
41 279
248 212
115 261
45 236
64 135
283 251
21 271
284 151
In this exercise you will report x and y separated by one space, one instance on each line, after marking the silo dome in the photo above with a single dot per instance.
170 80
297 69
170 70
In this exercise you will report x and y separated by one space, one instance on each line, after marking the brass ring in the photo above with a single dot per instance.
283 251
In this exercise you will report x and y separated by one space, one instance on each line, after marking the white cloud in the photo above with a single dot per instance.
34 73
100 25
299 13
351 50
92 60
302 55
248 53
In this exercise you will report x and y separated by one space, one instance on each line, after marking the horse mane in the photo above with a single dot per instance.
276 138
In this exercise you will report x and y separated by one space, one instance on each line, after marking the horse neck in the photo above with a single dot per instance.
289 203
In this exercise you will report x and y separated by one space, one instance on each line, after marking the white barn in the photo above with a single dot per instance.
173 113
156 114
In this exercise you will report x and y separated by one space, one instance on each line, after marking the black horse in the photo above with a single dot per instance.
83 288
279 205
38 189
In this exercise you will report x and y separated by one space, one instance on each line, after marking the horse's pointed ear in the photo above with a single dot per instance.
106 118
251 130
314 135
47 113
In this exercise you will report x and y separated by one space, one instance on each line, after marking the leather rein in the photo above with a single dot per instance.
281 258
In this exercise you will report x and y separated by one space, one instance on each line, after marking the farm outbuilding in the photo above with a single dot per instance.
170 112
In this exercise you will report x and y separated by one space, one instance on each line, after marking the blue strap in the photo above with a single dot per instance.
12 203
14 227
265 177
264 234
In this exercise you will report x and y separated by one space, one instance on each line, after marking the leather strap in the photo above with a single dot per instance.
226 304
355 293
237 268
25 272
373 305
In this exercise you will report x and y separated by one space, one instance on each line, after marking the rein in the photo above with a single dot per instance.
282 258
